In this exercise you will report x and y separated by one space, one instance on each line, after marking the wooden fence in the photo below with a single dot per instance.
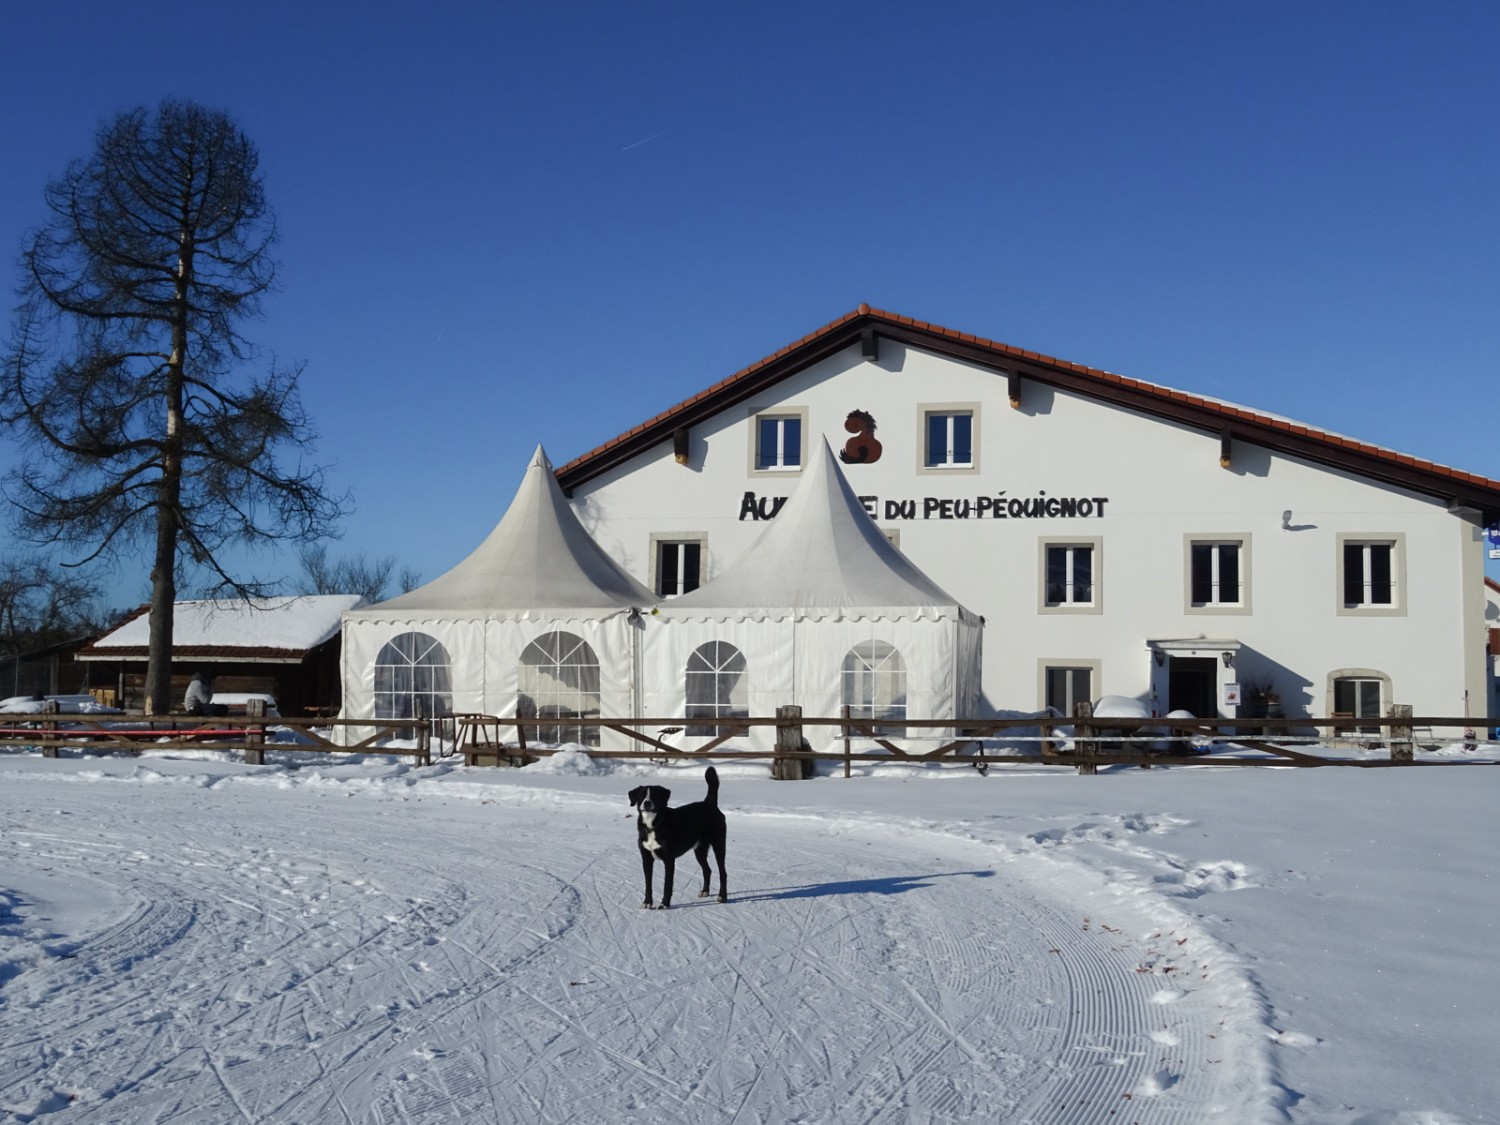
91 734
1084 742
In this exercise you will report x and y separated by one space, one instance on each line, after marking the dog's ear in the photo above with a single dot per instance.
636 794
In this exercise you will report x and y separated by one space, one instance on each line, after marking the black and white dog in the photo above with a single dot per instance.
665 834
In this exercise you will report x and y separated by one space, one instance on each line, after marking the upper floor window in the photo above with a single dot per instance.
1069 577
678 567
949 440
778 441
1217 574
1369 574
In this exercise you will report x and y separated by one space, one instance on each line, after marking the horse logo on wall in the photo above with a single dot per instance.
862 448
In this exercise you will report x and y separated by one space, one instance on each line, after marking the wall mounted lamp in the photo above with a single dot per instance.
1227 657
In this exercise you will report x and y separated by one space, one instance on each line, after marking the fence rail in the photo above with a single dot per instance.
104 734
1084 741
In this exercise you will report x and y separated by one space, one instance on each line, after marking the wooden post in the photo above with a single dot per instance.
1403 735
50 709
255 736
1083 744
789 764
424 744
845 713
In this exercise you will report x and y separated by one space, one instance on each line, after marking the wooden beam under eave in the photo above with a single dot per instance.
869 344
1013 388
680 445
1226 443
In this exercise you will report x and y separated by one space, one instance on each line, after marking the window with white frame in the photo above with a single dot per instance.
1216 574
558 679
412 678
778 441
874 683
949 438
1370 572
1064 686
679 566
716 686
1069 578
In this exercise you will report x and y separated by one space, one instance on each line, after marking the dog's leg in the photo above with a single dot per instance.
667 864
646 867
701 852
723 878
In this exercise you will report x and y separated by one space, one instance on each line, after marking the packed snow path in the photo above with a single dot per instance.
263 950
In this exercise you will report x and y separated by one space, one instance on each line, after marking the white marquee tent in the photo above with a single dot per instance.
536 616
821 611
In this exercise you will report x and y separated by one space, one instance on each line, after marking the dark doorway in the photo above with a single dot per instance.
1192 685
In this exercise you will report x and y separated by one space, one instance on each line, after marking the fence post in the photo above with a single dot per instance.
424 744
255 736
50 709
789 764
1083 744
845 713
1403 735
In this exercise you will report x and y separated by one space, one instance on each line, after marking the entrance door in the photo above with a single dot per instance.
1192 685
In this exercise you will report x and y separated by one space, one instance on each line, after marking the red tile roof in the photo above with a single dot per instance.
1284 435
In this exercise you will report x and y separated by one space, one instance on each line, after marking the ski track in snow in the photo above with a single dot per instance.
490 962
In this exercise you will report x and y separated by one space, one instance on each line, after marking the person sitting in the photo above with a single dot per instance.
200 694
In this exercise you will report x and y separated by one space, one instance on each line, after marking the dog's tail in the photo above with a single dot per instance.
711 775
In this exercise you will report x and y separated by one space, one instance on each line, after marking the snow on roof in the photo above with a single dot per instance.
537 558
822 552
292 624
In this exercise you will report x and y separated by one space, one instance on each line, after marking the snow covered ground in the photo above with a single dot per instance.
189 939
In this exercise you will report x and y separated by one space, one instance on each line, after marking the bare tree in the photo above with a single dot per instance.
121 374
39 605
353 574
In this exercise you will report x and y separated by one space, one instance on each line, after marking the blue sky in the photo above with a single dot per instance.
506 224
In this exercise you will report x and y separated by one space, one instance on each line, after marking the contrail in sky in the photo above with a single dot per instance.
645 140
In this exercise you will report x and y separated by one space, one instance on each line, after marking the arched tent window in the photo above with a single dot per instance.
874 684
411 678
717 686
558 678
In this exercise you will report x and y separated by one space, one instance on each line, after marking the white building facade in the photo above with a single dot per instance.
1118 537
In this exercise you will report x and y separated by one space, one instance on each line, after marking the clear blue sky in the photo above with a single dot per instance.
505 224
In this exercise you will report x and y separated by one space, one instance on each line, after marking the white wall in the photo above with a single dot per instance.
1161 482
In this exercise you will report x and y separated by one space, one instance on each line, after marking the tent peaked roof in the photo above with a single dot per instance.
538 557
822 552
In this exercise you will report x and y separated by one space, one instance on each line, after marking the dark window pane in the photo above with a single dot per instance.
1202 578
1354 574
1380 574
1229 572
963 439
1083 574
